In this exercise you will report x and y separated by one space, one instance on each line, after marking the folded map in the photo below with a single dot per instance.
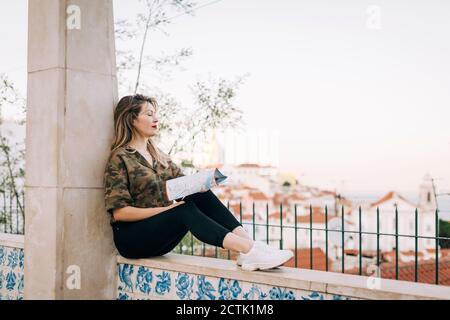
201 181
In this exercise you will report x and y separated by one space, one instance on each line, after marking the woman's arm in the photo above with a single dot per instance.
130 214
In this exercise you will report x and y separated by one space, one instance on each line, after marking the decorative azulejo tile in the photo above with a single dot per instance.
184 286
11 273
163 285
229 289
206 288
280 293
256 291
125 274
253 291
143 283
123 295
311 295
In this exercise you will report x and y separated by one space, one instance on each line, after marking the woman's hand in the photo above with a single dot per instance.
173 205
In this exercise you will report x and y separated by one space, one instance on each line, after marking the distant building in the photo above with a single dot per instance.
233 147
387 206
257 176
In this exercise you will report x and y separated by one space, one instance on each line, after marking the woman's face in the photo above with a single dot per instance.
146 123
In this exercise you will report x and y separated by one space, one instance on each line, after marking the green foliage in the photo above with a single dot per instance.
12 156
191 244
286 184
444 231
187 243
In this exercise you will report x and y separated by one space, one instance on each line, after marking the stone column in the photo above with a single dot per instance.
72 89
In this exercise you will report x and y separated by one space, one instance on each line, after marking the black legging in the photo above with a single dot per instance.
202 213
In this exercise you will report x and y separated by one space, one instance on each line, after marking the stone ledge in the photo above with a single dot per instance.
320 281
12 240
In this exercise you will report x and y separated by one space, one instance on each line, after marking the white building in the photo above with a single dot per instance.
254 145
387 207
257 176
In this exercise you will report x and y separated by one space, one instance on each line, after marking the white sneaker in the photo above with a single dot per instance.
265 247
264 257
259 244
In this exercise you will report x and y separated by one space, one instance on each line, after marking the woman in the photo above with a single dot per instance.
145 223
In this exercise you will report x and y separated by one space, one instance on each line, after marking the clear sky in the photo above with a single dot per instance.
361 104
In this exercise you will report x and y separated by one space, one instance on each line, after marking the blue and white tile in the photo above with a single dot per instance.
12 259
124 295
229 289
3 256
126 278
254 291
311 295
206 288
9 281
143 280
142 283
21 260
185 286
281 293
163 284
337 297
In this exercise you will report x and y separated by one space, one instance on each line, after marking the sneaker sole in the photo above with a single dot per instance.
239 264
263 266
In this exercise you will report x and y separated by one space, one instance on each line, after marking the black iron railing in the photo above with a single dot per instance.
185 248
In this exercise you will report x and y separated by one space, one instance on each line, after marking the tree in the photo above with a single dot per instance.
214 98
215 111
12 173
286 184
154 19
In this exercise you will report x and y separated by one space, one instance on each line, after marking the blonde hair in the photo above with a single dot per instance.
125 112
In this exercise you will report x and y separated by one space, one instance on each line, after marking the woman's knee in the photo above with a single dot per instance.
190 208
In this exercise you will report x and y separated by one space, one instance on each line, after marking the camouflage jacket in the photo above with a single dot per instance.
129 180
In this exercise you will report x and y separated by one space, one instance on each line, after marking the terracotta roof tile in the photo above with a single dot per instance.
365 253
317 217
258 196
406 270
426 271
296 196
276 215
303 260
388 197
